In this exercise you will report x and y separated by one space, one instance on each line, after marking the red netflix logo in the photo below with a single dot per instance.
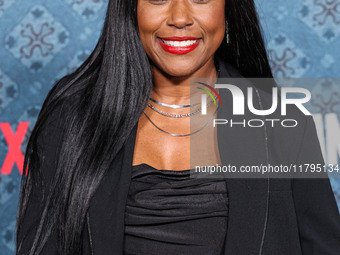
14 142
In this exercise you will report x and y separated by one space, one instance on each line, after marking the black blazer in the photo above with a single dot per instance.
266 215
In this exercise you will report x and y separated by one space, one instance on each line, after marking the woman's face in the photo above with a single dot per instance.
181 36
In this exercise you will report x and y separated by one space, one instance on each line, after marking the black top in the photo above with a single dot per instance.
172 212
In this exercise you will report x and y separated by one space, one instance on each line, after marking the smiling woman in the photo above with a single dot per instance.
107 165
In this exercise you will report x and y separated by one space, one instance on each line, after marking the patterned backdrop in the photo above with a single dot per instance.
42 40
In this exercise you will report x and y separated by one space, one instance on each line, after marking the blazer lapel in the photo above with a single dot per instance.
248 197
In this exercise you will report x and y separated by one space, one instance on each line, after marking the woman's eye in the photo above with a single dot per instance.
158 1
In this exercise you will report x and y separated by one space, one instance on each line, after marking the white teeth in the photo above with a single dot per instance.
180 43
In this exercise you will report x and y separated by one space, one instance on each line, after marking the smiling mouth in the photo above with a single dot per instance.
179 45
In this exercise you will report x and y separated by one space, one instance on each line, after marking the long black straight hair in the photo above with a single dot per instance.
106 96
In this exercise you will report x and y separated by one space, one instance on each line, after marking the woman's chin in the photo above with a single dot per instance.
178 71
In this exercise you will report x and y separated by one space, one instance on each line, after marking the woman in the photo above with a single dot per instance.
94 136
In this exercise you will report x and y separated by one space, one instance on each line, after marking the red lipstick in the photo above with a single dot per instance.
178 50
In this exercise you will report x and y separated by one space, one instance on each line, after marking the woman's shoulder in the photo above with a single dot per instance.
290 132
263 96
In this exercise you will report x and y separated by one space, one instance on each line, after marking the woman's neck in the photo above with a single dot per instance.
176 89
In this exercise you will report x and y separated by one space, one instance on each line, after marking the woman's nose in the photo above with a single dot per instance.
180 14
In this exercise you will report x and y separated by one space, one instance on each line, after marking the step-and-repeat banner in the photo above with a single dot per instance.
42 40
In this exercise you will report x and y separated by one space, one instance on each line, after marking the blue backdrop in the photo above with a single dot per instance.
42 40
